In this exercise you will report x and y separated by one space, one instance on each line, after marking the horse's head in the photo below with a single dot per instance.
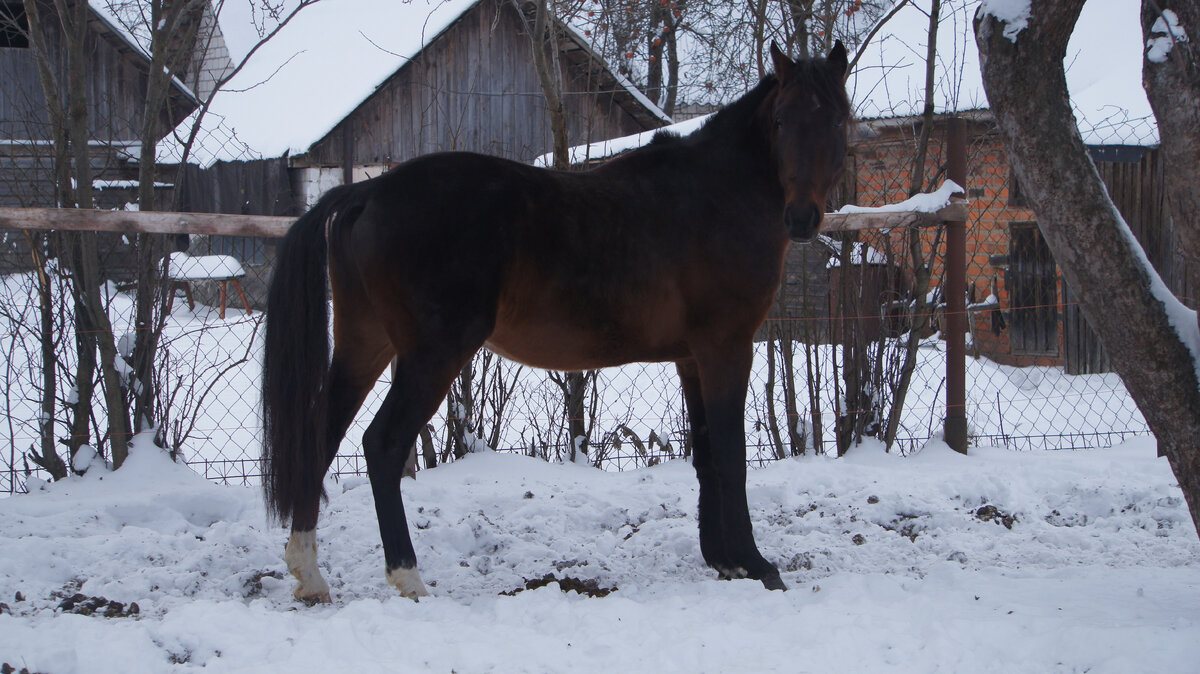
810 115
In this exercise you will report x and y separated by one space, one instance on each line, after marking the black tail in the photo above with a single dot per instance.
296 359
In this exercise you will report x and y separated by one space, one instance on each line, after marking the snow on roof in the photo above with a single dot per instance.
102 9
1104 64
319 67
621 80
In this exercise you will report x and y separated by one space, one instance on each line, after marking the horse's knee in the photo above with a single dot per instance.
301 558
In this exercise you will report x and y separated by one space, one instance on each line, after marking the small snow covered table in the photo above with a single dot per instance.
182 269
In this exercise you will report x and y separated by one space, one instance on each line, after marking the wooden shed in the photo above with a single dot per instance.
115 87
473 87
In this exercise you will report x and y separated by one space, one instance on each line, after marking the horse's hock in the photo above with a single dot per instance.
184 269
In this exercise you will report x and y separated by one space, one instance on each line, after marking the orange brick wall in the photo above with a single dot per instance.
884 169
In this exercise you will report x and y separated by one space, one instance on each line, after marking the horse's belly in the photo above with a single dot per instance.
565 347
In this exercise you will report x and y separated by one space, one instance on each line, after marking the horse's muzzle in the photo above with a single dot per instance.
802 222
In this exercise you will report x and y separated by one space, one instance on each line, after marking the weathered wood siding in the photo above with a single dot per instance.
474 88
1136 186
246 188
115 88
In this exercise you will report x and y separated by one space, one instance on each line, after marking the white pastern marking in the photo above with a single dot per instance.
408 581
301 558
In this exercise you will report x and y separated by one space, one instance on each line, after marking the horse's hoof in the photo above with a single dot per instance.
732 573
408 582
312 599
774 583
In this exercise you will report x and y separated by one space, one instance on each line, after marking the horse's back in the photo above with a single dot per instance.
572 270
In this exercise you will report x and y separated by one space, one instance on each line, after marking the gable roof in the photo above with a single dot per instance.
333 56
182 100
1104 66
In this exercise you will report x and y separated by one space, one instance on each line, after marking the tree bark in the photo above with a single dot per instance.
922 271
1099 258
545 62
1173 88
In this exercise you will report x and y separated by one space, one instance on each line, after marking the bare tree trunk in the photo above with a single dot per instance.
672 59
1098 255
760 34
922 270
769 392
1172 82
544 41
801 11
46 455
173 27
787 350
654 49
68 115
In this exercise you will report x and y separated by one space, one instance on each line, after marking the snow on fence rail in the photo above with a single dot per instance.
635 415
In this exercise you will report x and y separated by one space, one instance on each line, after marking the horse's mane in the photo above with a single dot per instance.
809 73
730 121
738 114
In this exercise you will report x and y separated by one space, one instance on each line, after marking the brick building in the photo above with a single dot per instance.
1022 313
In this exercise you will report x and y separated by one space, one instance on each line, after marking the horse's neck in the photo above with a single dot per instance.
747 162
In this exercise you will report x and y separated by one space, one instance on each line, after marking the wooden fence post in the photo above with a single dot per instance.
955 430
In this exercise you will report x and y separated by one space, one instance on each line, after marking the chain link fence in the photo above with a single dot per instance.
829 363
852 351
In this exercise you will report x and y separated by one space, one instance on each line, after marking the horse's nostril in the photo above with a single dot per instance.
803 222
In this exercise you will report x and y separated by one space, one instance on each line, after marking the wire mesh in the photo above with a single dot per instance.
852 350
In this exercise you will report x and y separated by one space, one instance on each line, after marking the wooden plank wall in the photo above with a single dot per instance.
115 86
1137 189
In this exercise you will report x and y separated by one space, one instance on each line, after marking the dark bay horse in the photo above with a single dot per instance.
672 252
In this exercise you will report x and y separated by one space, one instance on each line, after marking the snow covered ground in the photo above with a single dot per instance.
1001 561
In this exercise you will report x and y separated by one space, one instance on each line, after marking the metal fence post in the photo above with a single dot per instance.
955 431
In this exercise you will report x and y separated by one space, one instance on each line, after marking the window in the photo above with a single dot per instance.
14 25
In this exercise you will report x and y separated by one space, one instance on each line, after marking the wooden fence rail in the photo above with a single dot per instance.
137 222
954 215
271 226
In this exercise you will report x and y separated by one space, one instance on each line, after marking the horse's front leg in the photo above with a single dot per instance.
712 543
720 460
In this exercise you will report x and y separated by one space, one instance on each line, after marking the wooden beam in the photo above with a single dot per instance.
163 222
956 210
137 222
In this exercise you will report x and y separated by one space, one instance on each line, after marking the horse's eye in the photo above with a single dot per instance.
837 124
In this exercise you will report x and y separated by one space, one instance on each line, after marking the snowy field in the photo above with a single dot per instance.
1002 561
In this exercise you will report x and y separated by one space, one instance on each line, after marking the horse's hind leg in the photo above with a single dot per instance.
360 355
423 377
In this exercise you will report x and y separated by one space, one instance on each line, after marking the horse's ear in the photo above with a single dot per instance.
783 64
837 59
